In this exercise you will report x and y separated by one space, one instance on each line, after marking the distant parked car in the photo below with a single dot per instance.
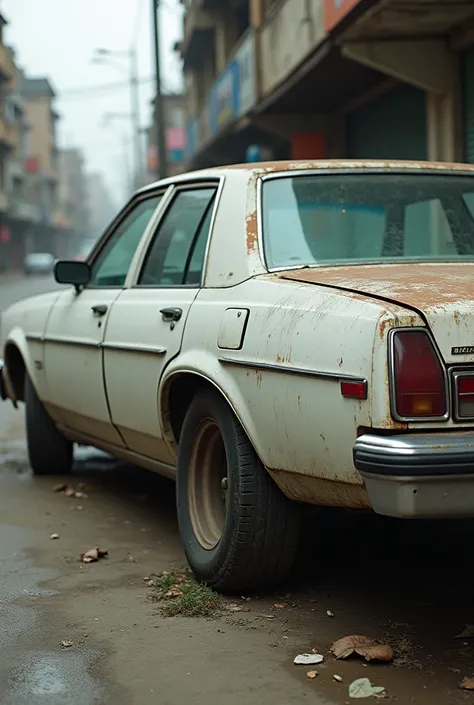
38 263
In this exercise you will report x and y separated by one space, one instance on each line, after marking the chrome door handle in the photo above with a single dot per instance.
99 309
171 314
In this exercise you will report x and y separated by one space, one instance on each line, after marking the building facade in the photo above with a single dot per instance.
74 195
328 79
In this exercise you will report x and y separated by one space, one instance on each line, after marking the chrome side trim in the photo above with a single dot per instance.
124 347
456 373
334 376
34 337
391 374
74 343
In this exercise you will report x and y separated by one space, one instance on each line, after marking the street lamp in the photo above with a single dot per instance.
106 56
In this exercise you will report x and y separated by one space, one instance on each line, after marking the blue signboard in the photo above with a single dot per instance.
224 101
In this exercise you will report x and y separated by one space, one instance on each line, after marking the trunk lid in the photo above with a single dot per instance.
442 293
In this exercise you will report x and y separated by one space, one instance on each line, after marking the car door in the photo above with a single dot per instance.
73 356
146 323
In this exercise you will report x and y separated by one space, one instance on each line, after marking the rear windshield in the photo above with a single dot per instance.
349 218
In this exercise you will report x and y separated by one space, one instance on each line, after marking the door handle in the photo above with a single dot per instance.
99 309
171 314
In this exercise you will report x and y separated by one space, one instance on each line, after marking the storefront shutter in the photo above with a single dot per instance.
468 104
391 127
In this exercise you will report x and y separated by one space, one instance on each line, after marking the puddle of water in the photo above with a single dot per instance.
53 678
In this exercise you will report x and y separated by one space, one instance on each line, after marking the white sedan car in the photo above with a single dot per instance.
268 335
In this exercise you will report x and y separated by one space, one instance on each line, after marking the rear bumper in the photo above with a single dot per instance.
3 391
418 475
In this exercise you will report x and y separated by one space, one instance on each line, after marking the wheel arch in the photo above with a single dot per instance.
177 392
17 365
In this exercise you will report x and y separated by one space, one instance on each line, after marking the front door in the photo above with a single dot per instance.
73 355
146 323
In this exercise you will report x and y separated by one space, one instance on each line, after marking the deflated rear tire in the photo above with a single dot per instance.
238 529
48 451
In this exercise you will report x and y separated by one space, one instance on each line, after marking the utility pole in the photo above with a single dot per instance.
160 129
135 105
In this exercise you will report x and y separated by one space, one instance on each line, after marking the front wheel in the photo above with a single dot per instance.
238 529
49 452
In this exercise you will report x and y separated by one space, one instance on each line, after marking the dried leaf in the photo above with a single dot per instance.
69 492
92 555
65 644
312 674
54 536
234 608
60 488
363 688
174 591
467 684
364 646
307 659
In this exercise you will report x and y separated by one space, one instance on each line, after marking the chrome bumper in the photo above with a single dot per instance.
3 391
418 475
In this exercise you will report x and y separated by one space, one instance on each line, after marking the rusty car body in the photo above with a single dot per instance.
268 335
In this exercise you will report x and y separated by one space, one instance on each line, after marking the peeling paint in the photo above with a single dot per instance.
251 232
259 168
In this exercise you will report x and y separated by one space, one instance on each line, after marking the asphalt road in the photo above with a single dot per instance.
409 584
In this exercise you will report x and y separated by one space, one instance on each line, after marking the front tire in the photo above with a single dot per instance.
238 529
49 452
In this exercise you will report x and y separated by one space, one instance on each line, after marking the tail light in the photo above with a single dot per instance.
418 378
464 394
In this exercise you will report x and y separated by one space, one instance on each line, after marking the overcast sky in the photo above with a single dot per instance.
57 39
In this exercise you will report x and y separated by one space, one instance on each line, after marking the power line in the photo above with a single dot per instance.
101 89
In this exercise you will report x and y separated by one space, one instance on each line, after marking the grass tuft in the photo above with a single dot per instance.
179 594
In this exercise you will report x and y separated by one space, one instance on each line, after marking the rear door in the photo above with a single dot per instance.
146 323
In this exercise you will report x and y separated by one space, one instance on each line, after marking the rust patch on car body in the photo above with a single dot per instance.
348 164
420 285
321 491
251 232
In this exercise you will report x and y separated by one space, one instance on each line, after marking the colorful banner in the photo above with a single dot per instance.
335 11
247 84
224 102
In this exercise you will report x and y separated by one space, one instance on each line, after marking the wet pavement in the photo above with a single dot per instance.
409 584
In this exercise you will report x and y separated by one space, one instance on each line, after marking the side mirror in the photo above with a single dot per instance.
71 272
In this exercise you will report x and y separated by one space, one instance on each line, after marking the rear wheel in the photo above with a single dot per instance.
50 453
238 529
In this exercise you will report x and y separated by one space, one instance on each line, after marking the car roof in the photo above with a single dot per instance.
355 165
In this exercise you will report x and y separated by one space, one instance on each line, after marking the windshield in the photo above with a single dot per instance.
323 219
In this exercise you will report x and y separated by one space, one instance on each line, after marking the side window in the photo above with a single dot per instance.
112 265
176 255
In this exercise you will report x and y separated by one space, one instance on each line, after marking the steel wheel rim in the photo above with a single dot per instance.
207 486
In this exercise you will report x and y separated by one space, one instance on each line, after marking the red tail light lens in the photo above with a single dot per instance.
418 377
465 395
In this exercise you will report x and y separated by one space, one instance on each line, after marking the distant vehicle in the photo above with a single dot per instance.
38 263
84 250
269 335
